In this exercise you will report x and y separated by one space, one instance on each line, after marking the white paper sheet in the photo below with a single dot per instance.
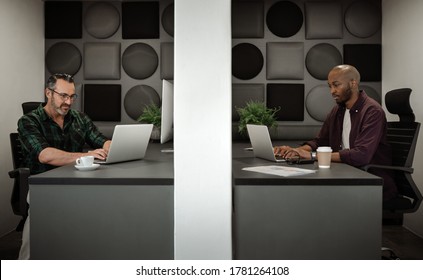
284 171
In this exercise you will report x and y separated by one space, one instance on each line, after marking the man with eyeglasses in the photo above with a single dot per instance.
55 135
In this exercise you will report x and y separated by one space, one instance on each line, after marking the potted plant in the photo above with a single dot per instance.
152 114
256 112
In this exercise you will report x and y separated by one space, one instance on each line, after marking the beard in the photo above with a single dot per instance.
345 96
62 109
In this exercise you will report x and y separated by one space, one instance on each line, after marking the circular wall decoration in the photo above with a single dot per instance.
101 20
137 98
63 57
284 19
363 19
247 61
140 61
168 19
321 59
371 92
319 102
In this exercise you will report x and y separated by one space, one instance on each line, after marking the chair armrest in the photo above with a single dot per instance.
21 172
388 167
21 175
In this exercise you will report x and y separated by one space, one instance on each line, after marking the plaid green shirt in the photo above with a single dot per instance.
38 131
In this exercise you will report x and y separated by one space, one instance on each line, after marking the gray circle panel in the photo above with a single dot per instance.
371 92
137 98
363 19
168 19
321 59
101 20
63 57
319 102
140 61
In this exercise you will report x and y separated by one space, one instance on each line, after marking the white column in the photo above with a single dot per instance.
202 129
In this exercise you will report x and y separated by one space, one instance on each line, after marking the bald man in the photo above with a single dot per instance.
355 129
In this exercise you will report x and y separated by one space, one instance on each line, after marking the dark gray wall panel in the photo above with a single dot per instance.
102 61
140 20
62 20
102 102
63 57
168 19
289 98
371 92
140 61
247 19
285 61
166 61
321 58
367 58
363 19
137 98
243 93
101 20
319 102
323 20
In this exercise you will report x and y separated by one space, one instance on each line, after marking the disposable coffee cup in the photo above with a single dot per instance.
85 161
324 156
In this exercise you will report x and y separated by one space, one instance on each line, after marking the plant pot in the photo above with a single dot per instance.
155 134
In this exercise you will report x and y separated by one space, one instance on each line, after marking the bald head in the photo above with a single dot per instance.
349 72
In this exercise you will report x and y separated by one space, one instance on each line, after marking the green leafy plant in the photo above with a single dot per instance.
151 114
256 112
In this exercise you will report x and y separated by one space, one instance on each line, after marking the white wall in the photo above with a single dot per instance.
202 124
21 78
402 62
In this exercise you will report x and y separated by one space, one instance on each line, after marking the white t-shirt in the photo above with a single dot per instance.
346 129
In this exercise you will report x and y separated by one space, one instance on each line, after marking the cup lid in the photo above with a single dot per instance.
324 149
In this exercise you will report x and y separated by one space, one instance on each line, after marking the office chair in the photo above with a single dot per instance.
402 135
20 174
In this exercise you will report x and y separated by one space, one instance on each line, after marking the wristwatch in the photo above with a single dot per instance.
313 155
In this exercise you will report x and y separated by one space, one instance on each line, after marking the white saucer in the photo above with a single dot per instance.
87 168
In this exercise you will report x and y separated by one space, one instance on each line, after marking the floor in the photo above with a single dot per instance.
405 244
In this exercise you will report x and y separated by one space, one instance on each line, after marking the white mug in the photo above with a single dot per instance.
85 161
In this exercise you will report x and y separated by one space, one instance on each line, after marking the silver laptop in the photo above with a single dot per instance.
129 142
261 142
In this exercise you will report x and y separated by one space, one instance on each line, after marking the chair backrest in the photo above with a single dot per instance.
30 105
403 135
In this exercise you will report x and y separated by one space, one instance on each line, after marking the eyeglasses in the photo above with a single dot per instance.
66 96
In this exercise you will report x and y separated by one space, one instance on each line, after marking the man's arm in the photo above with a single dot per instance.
58 157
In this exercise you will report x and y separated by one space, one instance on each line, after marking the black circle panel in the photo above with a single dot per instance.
284 19
247 61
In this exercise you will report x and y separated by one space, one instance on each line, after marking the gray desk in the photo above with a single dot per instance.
119 211
332 214
125 211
